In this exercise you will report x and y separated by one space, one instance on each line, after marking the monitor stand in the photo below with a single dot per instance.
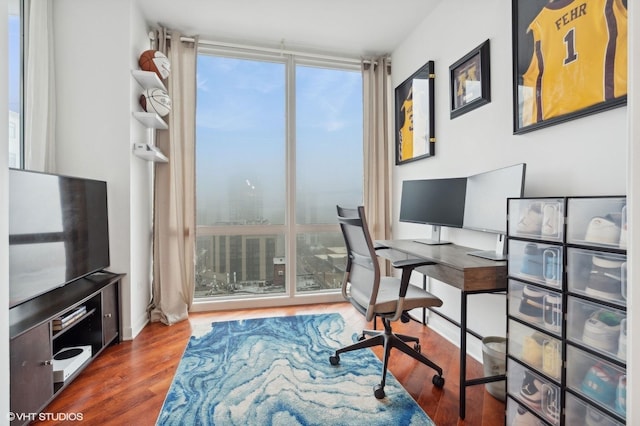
435 237
497 254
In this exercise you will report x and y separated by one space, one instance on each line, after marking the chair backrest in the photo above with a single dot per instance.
362 275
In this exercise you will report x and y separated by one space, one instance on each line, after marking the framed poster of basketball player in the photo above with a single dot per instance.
414 116
569 60
470 82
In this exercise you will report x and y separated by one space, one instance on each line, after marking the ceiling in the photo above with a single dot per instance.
348 27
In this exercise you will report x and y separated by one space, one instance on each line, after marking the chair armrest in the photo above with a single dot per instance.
411 263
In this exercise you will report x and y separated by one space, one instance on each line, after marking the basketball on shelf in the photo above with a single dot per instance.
156 100
155 61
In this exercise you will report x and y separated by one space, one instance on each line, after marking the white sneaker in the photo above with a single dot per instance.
603 230
531 221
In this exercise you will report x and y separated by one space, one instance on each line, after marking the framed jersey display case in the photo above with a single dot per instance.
569 60
414 116
470 81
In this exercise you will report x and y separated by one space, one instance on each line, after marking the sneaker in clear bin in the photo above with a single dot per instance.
602 330
531 390
524 418
532 349
532 262
622 340
600 384
604 230
531 221
594 417
605 279
531 304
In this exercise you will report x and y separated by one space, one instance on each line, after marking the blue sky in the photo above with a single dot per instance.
14 63
241 130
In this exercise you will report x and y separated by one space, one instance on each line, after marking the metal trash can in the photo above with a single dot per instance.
494 360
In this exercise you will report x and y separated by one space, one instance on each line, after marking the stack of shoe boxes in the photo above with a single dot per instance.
566 311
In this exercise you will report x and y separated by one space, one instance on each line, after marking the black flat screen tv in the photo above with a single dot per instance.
435 202
58 232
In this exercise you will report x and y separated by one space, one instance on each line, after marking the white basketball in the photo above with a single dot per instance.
156 100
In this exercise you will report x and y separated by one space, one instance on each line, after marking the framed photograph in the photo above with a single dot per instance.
569 60
414 109
470 81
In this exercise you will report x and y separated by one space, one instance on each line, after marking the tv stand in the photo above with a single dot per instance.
83 313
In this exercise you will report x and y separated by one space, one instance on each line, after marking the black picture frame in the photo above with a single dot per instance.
554 71
470 81
415 117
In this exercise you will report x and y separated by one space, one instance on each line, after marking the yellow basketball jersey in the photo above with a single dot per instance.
579 58
406 131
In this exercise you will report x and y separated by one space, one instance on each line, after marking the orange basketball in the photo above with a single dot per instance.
155 61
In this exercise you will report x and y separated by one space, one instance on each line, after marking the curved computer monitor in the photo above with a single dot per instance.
486 203
435 202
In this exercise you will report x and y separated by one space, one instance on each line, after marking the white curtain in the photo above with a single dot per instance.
376 78
40 100
174 210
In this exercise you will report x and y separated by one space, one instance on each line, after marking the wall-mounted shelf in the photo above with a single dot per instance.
148 79
150 120
149 153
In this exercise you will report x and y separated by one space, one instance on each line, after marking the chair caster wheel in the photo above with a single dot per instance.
361 337
417 347
334 359
438 381
378 391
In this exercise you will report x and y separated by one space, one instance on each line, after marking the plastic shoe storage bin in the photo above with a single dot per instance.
538 218
534 391
598 327
537 350
598 380
536 305
579 413
598 222
536 262
519 415
597 274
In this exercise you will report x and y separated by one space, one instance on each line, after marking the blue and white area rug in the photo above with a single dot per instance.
276 371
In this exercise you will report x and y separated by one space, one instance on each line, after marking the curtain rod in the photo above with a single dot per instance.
282 50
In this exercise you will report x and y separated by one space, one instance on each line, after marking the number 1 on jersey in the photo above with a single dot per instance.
570 43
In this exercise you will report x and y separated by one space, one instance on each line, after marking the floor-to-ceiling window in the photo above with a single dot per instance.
278 145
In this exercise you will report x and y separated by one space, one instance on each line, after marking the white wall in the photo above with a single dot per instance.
582 157
141 197
633 175
4 213
96 45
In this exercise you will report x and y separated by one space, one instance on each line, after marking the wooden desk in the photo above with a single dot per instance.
455 267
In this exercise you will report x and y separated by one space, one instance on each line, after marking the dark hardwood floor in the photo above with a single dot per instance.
127 383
